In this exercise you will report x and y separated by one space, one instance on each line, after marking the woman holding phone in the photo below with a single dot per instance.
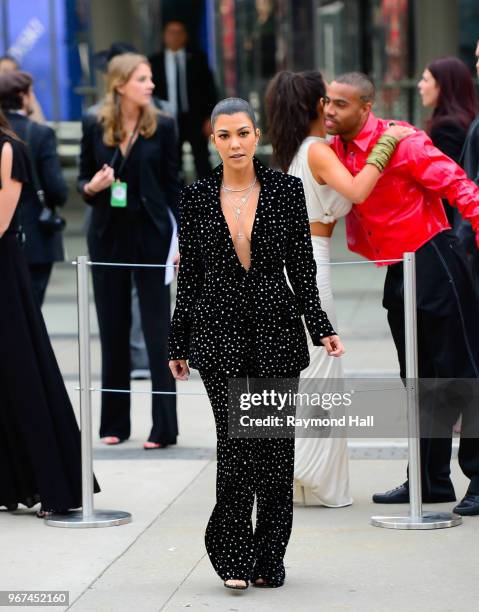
129 176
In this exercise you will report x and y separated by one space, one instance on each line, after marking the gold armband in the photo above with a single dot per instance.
382 152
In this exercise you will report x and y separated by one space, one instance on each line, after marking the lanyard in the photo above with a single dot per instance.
127 152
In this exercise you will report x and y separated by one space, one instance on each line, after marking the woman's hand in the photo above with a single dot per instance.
333 346
176 263
399 131
102 180
179 368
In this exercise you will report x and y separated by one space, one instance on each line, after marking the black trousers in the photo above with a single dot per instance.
249 467
40 274
132 237
191 130
448 347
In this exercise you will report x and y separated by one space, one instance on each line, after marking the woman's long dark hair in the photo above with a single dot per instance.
5 127
457 95
291 104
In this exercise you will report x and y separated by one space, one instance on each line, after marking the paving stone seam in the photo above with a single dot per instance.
139 535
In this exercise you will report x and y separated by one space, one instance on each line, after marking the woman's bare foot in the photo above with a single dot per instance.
111 440
152 445
42 513
236 584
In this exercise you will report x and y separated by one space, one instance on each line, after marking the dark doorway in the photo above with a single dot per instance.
190 12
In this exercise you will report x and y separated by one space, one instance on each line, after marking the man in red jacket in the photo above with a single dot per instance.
405 213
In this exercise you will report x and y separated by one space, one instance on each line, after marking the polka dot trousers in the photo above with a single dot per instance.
249 467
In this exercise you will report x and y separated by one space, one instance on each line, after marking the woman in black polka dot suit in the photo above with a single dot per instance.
235 317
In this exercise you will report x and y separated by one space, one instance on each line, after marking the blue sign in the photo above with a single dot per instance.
38 38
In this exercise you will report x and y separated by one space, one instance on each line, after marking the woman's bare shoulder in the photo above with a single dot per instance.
6 153
321 154
320 149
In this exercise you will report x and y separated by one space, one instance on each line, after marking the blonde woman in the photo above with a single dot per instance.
129 175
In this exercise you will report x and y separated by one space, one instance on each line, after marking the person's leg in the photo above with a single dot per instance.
112 290
182 137
460 360
448 346
468 454
138 352
274 473
40 274
435 451
201 154
193 133
468 460
154 298
229 533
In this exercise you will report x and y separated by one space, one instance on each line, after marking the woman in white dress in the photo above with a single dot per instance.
300 147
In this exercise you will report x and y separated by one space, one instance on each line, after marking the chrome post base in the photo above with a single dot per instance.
428 520
99 518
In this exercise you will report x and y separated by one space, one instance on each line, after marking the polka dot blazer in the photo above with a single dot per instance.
227 318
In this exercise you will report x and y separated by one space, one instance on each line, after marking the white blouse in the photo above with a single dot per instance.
323 203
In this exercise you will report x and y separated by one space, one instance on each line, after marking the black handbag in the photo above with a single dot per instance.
49 220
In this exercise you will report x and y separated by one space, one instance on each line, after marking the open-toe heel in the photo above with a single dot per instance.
42 513
265 583
237 587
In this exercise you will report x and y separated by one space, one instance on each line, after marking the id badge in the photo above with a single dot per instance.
118 194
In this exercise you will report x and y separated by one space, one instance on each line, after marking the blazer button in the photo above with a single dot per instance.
143 199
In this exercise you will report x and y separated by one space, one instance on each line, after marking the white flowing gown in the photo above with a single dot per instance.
321 468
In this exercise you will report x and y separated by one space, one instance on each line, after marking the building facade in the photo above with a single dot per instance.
391 40
247 42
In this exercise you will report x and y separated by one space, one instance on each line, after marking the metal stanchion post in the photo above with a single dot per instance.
87 516
417 519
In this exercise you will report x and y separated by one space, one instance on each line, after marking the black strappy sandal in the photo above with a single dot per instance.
265 584
42 513
236 587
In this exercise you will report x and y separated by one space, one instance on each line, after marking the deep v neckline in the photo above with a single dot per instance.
253 228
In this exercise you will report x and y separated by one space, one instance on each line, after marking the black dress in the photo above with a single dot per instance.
449 136
39 437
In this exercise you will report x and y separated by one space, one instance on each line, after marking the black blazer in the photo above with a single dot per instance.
226 315
40 246
159 182
470 162
470 153
449 136
200 83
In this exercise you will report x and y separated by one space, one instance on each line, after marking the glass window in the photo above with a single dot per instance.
392 58
256 39
337 37
468 31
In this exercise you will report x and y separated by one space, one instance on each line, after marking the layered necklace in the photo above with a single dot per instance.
238 204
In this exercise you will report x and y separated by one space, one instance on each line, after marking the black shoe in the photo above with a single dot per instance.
469 506
400 495
266 584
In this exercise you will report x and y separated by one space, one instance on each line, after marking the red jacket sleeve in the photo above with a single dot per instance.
437 173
